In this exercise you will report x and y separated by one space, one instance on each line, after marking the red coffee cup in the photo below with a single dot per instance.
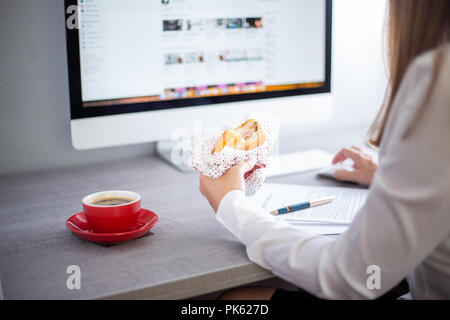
106 218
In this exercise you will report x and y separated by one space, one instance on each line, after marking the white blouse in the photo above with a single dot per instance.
403 230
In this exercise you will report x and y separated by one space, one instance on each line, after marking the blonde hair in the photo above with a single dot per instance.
414 27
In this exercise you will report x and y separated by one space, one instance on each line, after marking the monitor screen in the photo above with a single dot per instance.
141 55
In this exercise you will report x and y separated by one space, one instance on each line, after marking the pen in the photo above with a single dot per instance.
304 205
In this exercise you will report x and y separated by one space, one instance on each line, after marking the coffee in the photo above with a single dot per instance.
111 201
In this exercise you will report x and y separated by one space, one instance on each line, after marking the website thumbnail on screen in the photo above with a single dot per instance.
180 49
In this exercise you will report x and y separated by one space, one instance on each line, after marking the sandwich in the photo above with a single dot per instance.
248 136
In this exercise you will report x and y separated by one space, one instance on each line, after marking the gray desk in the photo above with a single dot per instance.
189 253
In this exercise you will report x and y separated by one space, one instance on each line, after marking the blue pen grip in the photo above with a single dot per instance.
295 207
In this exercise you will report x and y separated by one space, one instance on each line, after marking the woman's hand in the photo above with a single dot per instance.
234 179
364 166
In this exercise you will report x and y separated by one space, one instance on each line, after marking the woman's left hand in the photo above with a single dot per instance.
234 179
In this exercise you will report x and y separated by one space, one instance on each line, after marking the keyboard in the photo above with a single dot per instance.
290 163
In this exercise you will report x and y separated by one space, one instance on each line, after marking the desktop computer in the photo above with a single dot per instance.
141 69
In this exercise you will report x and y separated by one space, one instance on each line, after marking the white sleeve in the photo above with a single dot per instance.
405 217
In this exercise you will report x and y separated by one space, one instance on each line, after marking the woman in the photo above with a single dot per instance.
404 227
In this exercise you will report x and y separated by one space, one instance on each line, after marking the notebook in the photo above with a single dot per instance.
332 218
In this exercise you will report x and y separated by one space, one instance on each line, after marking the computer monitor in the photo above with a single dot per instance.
140 69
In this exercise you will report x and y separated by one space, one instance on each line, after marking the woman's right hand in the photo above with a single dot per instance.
364 166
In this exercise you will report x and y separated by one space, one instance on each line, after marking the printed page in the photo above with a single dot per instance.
342 210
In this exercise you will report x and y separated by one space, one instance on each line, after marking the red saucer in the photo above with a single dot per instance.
78 225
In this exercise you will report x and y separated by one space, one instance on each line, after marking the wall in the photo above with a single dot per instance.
359 70
34 102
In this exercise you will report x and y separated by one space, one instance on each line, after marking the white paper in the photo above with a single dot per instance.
331 218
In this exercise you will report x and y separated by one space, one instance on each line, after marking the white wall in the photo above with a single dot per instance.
34 102
359 72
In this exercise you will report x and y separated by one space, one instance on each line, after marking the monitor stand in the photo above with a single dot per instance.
175 154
